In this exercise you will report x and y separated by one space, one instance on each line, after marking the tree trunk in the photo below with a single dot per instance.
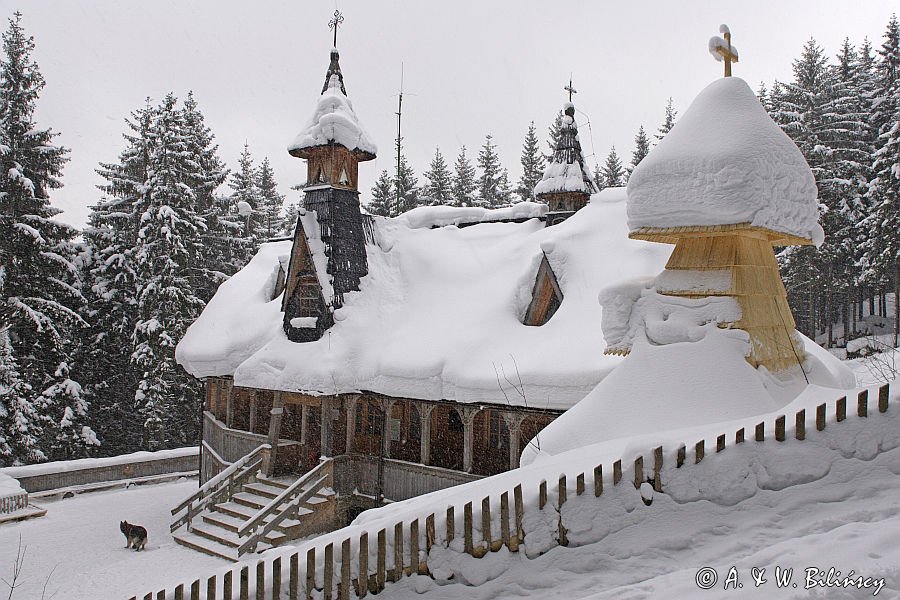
896 300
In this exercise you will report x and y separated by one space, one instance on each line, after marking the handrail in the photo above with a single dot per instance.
212 489
269 508
290 509
218 479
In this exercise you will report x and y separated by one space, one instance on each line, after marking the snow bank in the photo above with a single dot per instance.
566 177
725 162
439 314
442 216
9 486
334 121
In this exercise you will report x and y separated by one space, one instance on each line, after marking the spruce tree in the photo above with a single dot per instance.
289 221
438 189
553 136
599 181
408 188
41 292
613 171
668 123
383 193
243 186
464 183
532 165
270 201
110 278
167 303
641 149
490 192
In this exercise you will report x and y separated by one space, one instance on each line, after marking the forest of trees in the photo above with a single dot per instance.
89 319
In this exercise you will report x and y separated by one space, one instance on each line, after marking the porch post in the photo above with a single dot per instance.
325 435
351 421
467 415
229 403
274 431
252 426
425 409
304 423
514 425
388 404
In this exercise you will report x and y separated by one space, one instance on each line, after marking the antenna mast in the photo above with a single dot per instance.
399 116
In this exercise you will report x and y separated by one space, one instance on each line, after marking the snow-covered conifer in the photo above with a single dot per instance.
532 165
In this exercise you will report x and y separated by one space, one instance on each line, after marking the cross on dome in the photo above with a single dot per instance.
722 50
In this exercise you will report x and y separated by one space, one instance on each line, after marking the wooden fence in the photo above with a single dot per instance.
366 562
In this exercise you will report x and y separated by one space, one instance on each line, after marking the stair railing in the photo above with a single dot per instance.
289 501
220 488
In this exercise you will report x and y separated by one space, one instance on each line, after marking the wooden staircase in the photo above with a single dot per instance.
239 511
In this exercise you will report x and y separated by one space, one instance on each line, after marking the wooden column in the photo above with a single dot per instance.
467 415
326 427
425 409
304 423
514 425
274 430
350 406
252 425
388 404
228 384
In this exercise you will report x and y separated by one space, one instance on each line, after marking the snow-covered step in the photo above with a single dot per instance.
264 489
233 523
201 544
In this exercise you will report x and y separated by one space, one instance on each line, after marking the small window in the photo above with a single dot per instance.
546 296
344 179
415 424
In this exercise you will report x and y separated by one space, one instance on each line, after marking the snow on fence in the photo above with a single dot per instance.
357 561
96 473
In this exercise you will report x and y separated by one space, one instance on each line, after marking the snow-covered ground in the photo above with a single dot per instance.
77 551
830 501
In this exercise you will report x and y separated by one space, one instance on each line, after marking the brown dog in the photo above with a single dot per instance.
135 535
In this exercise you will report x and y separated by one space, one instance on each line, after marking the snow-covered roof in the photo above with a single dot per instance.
567 171
334 121
441 216
439 314
725 162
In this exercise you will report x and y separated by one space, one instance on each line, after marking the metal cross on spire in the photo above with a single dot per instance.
335 21
570 89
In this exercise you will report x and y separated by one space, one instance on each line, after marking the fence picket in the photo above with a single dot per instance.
779 429
820 417
760 432
429 533
328 573
210 587
884 395
245 583
657 468
381 564
579 484
638 472
800 425
699 451
680 456
841 409
720 443
504 519
467 528
598 480
520 517
414 546
617 472
398 551
310 573
862 404
363 580
294 582
195 590
261 580
344 591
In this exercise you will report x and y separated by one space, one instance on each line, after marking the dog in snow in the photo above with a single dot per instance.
135 535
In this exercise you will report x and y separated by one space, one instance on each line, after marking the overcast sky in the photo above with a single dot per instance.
470 68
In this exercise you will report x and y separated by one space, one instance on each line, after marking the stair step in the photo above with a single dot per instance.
233 523
249 499
263 489
201 544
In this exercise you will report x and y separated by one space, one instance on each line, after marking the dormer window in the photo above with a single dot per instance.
546 296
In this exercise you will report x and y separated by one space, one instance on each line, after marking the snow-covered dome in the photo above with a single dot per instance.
725 162
334 120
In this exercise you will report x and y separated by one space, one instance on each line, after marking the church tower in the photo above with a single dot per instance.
566 185
333 143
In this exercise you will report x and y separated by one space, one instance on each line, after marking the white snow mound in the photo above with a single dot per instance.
725 162
334 121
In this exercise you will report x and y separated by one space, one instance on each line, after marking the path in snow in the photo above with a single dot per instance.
79 547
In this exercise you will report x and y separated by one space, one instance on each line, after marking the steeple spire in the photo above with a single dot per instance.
334 77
